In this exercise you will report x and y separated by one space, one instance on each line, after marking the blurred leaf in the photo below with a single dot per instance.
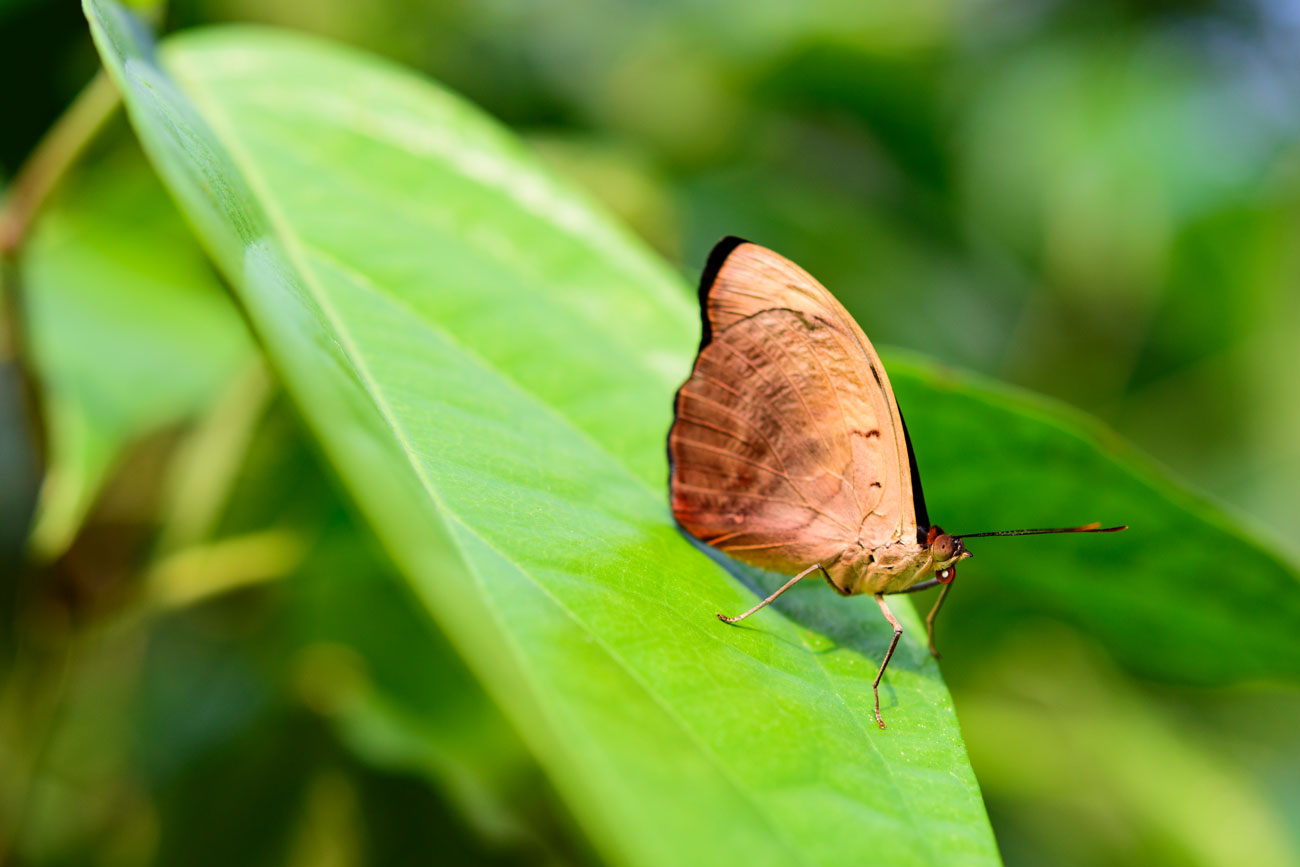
342 635
130 331
1095 754
1077 153
367 657
1186 594
238 803
159 716
489 365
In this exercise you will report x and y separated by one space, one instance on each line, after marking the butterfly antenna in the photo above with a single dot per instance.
1094 527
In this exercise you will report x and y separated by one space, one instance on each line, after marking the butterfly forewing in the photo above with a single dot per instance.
786 446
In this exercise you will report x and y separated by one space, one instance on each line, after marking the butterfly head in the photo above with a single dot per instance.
946 552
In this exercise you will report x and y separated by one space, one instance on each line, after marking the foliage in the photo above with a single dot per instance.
484 361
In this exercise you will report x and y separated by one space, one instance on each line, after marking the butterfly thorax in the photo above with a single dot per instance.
889 568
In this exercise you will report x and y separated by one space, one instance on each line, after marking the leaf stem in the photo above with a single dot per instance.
51 159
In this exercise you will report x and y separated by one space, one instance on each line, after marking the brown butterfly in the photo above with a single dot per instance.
788 451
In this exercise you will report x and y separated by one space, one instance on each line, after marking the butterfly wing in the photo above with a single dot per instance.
742 278
787 446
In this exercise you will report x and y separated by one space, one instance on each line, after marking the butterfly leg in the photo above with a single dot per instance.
929 618
898 631
784 587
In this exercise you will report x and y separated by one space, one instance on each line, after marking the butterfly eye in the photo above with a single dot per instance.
944 547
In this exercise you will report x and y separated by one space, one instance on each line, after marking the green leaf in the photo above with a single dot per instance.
1185 595
129 329
489 364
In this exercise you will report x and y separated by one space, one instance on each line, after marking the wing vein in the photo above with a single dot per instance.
770 499
771 447
839 404
812 419
708 447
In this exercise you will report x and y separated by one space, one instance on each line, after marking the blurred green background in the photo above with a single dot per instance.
1098 201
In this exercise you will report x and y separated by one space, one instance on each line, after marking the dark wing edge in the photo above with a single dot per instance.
918 496
717 258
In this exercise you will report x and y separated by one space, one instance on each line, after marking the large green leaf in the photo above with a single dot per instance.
489 365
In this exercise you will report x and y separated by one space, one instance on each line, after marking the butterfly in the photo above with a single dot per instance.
788 450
